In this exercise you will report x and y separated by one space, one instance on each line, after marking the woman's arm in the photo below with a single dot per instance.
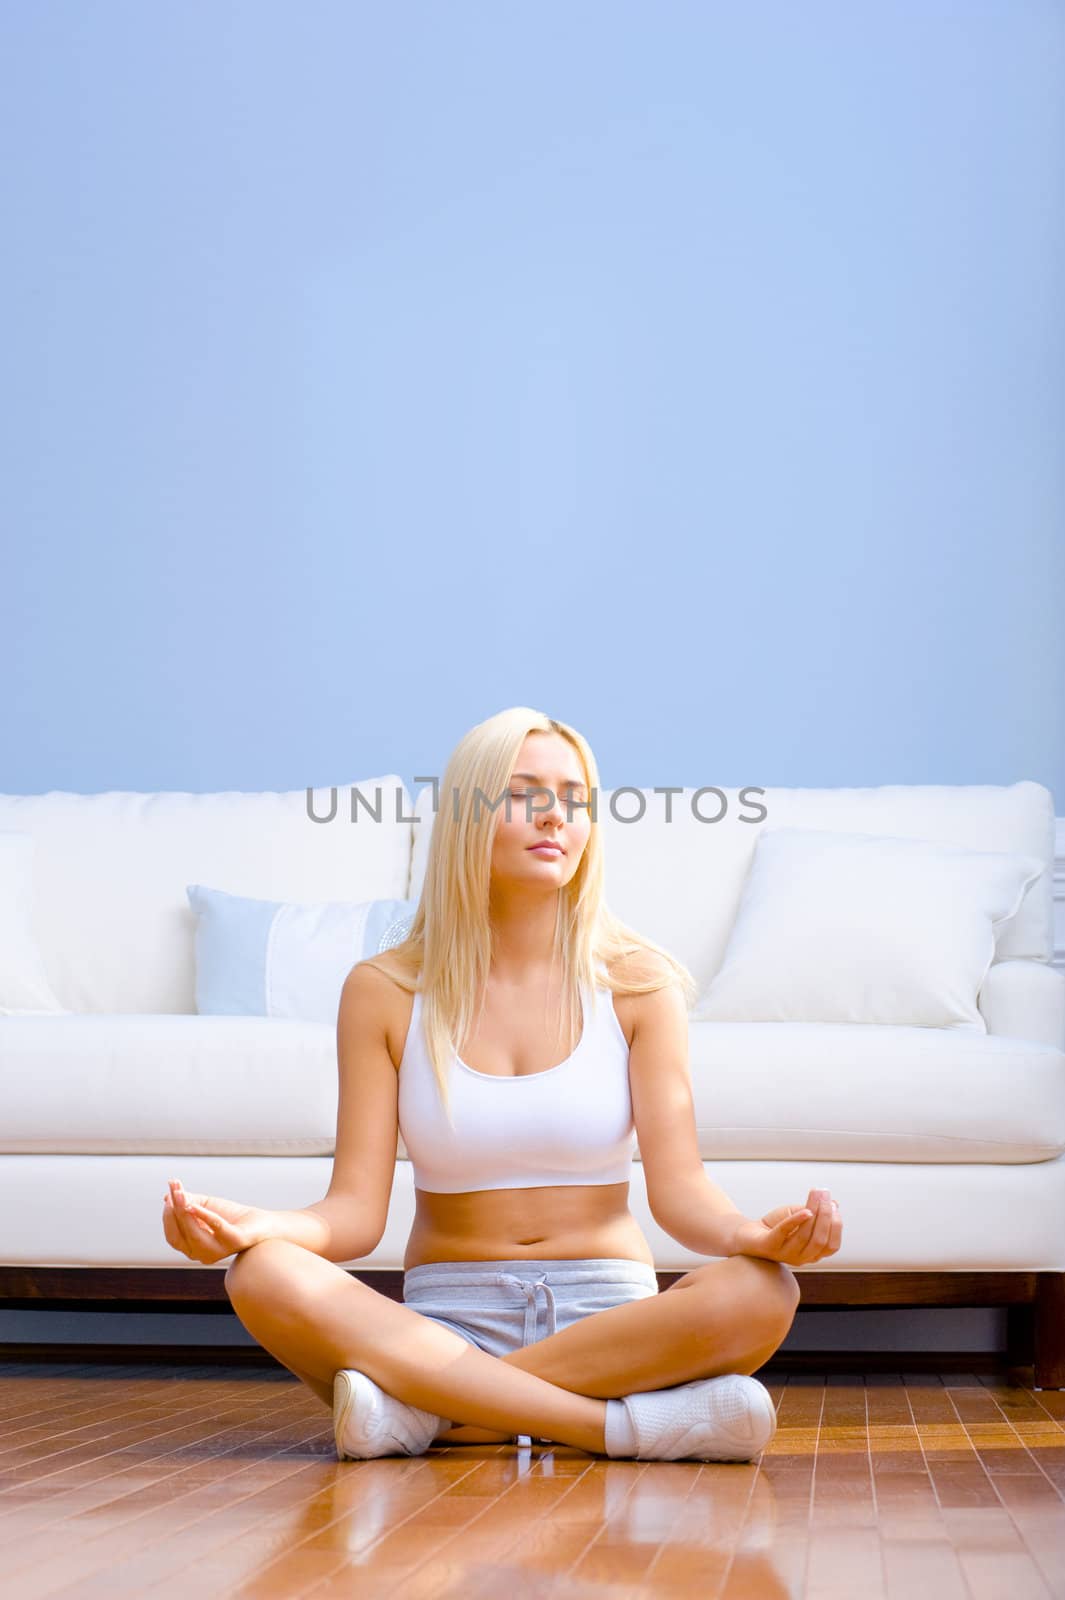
683 1200
348 1222
324 1227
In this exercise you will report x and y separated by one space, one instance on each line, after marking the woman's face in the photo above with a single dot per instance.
546 762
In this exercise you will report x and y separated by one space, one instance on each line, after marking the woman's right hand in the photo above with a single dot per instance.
206 1228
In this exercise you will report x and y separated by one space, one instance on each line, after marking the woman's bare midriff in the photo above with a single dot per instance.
563 1222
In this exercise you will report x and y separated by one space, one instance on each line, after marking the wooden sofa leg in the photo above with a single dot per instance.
1020 1333
1050 1330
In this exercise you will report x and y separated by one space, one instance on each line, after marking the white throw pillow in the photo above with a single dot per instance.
265 958
24 985
853 927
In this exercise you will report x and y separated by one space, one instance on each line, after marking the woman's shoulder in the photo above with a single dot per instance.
383 992
639 968
634 977
391 968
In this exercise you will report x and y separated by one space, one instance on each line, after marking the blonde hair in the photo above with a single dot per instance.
447 953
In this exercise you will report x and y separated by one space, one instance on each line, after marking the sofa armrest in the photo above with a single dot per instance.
1024 1000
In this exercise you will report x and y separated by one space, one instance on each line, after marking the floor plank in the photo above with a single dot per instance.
132 1480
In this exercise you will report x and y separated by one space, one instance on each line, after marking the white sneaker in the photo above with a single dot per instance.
729 1418
368 1422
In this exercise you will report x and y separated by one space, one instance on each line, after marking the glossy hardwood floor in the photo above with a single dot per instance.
201 1481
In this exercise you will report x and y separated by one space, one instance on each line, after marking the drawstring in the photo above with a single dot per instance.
529 1289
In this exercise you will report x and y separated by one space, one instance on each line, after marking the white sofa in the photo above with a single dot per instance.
945 1149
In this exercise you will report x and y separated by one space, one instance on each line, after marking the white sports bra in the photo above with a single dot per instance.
570 1124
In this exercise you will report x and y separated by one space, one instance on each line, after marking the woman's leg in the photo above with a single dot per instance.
735 1314
316 1318
727 1315
733 1324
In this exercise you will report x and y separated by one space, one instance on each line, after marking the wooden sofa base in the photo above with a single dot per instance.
1035 1300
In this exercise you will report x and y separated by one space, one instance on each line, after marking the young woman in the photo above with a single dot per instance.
574 1039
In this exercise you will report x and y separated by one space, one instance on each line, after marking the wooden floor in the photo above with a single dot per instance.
201 1481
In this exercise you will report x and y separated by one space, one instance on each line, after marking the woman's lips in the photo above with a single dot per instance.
547 849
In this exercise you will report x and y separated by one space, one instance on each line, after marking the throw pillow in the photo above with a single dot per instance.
267 958
842 927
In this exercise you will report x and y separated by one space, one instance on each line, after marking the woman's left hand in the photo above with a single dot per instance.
207 1229
796 1235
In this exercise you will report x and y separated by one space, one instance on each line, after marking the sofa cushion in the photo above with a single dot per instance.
851 927
24 985
110 913
127 1085
266 958
58 1211
866 1092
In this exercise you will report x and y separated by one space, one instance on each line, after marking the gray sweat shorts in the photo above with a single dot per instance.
500 1306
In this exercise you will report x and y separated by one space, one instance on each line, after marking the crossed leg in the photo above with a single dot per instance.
741 1314
314 1317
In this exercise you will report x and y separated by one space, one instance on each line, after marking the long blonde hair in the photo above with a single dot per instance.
447 953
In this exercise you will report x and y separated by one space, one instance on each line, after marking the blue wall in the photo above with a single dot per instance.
691 371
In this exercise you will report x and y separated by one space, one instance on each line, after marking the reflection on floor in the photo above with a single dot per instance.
211 1481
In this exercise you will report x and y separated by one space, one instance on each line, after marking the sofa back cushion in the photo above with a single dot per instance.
679 881
24 986
113 924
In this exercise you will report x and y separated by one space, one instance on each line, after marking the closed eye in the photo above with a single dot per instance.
523 794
